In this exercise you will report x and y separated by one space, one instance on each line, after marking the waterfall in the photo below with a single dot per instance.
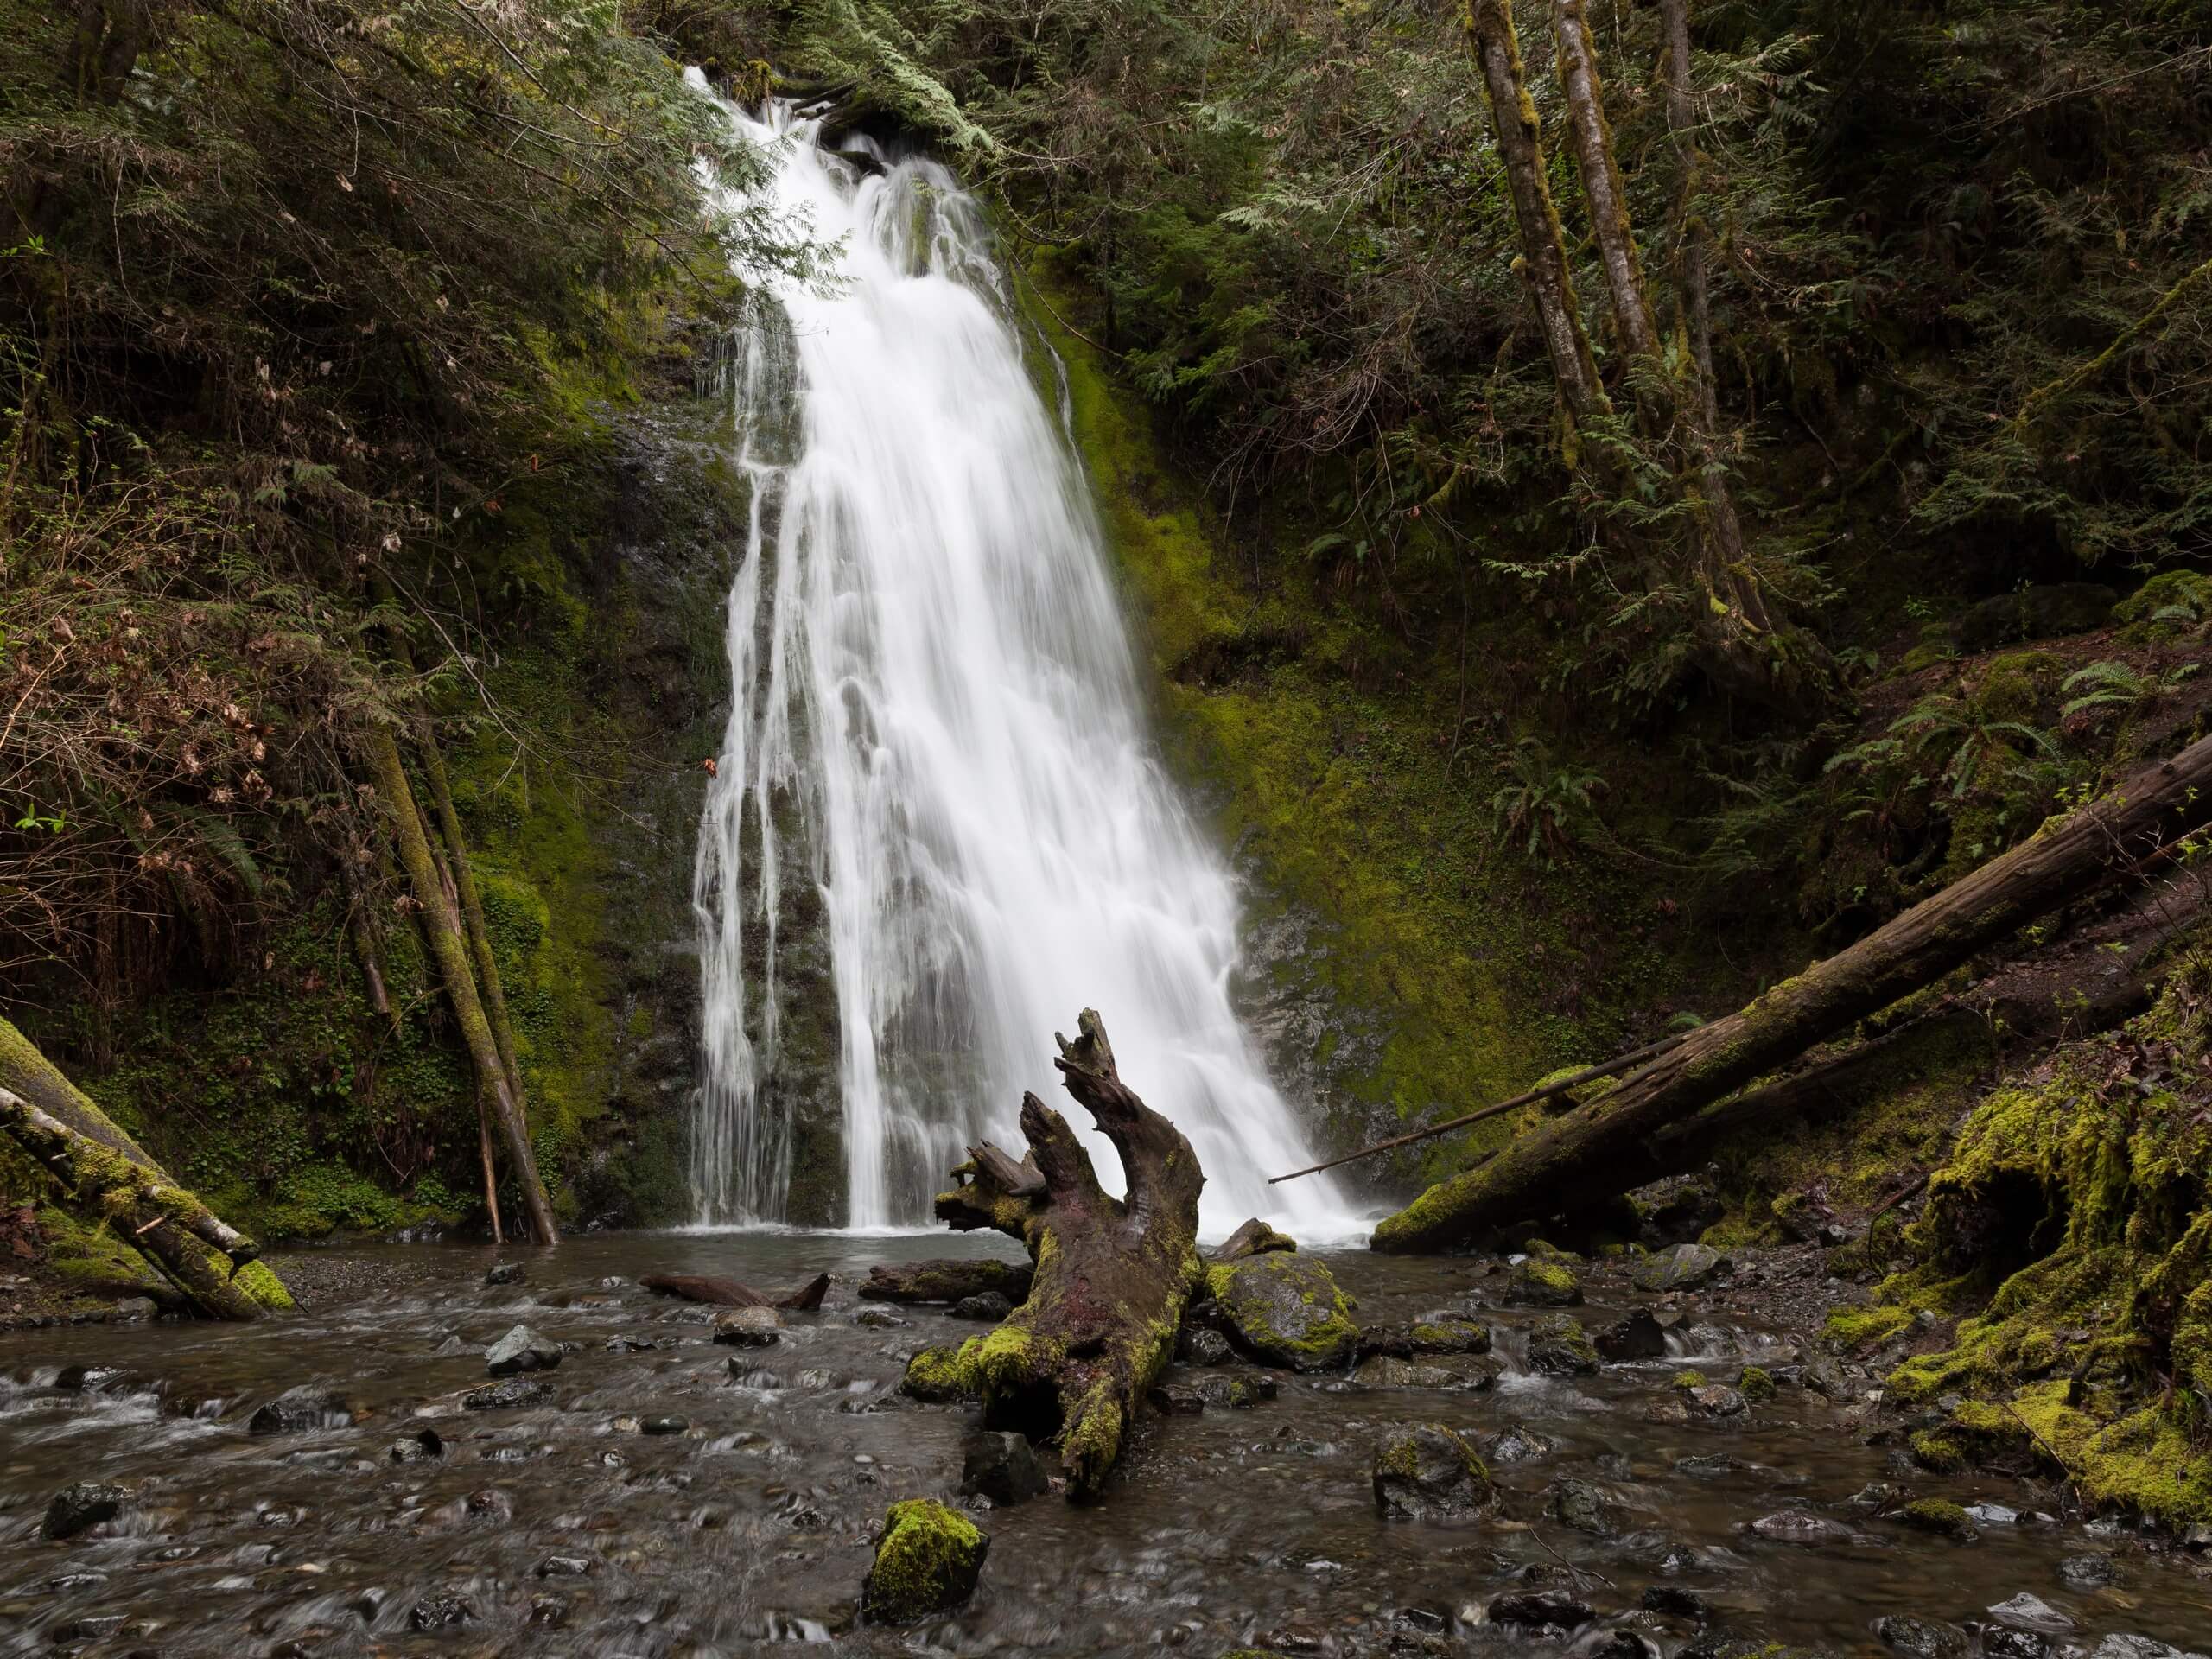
937 738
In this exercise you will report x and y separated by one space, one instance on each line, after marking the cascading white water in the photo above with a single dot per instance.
935 711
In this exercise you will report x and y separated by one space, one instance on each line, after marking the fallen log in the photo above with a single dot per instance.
1113 1276
728 1292
1591 1154
197 1251
947 1280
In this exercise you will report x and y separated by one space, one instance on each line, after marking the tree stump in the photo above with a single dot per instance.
1113 1274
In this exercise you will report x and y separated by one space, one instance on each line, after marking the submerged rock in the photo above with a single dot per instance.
1637 1336
1004 1468
1518 1443
508 1396
1196 1345
878 1319
666 1423
521 1350
1471 1371
1176 1399
2089 1571
1796 1527
1919 1638
296 1411
1680 1267
1552 1609
80 1508
1538 1282
1718 1399
1585 1507
988 1305
1285 1310
1558 1346
1428 1472
928 1560
1255 1237
2027 1612
1242 1392
749 1327
416 1447
504 1272
442 1611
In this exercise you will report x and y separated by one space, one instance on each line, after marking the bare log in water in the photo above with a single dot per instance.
728 1292
947 1280
1113 1276
1590 1155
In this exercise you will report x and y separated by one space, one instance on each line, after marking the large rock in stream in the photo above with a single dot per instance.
1428 1472
1285 1310
521 1350
80 1509
928 1560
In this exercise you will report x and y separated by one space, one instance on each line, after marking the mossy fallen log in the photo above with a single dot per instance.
1113 1274
1576 1161
106 1177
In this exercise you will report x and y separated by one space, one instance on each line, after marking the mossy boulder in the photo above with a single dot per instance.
1940 1516
1429 1472
1559 1347
943 1375
1541 1282
2171 605
1285 1310
1757 1383
928 1560
1682 1267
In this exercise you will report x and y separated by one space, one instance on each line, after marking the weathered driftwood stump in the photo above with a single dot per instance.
1113 1274
728 1292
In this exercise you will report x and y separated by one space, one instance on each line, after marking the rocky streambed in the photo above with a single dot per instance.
353 1480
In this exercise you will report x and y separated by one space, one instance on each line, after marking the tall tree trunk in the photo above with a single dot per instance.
1694 241
1496 51
442 926
1591 140
109 1178
1113 1276
1590 1154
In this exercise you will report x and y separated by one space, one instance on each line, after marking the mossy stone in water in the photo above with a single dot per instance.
1428 1471
1937 1516
1286 1310
927 1562
1539 1283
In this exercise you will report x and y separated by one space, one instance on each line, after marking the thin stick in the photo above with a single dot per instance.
1611 1068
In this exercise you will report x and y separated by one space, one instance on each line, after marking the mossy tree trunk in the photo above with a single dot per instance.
1497 50
1595 1152
1113 1276
442 926
108 1177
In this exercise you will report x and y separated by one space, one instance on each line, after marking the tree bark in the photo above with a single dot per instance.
1496 51
443 928
1113 1274
1696 271
1591 140
1593 1152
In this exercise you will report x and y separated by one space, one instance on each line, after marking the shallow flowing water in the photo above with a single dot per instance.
563 1529
936 747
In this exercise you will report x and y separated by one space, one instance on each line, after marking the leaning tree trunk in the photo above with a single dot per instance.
1496 52
1113 1274
106 1177
1595 1152
443 928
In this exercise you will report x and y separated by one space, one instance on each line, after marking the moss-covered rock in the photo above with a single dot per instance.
928 1560
1540 1281
1938 1515
1757 1384
1429 1472
1285 1310
943 1375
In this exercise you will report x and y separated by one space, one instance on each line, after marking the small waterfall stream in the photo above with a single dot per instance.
937 727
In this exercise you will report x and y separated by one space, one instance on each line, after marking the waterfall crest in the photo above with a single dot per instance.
937 734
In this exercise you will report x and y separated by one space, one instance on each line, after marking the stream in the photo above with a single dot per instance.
742 1522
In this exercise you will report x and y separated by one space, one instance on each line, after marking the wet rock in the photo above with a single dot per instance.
511 1394
296 1411
1559 1347
416 1447
521 1350
1176 1399
445 1611
80 1508
1680 1267
548 1613
1935 1515
936 1376
1718 1399
873 1318
1876 1495
1919 1638
1637 1336
132 1309
2138 1647
1255 1237
1285 1310
1245 1391
504 1272
667 1423
1617 1644
1004 1468
1448 1333
1798 1527
2197 1540
2028 1612
1196 1345
1542 1609
1428 1472
1709 1465
1473 1372
928 1560
2002 1642
1584 1508
1539 1283
2090 1571
1992 1514
88 1379
563 1566
1518 1443
987 1305
1673 1600
749 1327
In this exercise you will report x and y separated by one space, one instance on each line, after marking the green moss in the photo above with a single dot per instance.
1937 1516
926 1562
2171 605
1685 1380
1856 1328
944 1374
1938 1453
1755 1384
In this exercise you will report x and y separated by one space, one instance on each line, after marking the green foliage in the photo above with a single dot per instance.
1544 809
